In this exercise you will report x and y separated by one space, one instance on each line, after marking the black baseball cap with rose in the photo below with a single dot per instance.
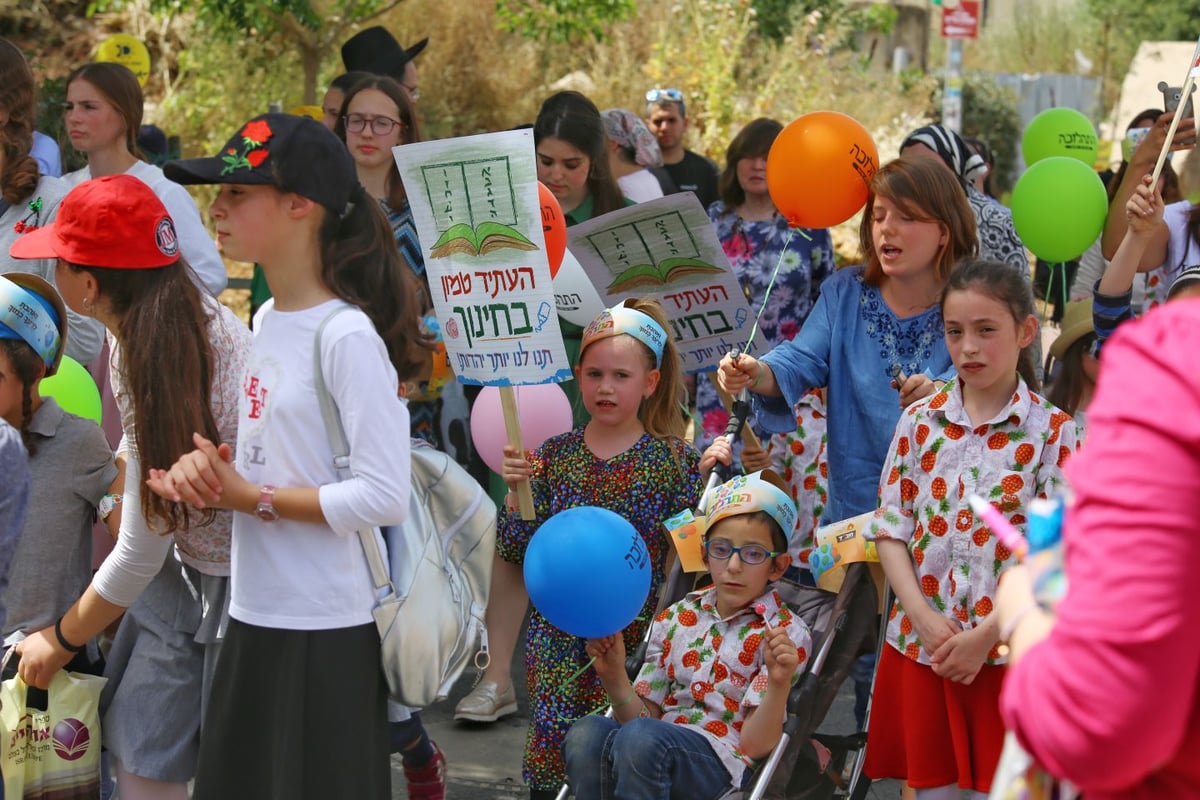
292 153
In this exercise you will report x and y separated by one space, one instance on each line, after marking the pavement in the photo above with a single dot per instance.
484 760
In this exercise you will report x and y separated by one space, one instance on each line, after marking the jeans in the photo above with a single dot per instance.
644 759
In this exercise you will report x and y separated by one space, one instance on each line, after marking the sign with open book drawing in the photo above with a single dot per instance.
475 204
667 249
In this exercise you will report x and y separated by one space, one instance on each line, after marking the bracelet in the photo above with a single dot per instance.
758 377
107 504
633 695
62 640
1007 631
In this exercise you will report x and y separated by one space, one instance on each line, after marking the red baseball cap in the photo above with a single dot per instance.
116 222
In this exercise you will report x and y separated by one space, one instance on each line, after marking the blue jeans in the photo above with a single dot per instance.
644 759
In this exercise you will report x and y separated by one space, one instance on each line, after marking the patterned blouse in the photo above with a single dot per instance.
849 343
938 460
204 547
800 459
708 673
755 248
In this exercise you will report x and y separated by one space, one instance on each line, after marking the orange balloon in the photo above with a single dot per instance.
554 226
819 167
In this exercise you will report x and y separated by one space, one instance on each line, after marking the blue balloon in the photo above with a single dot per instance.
587 571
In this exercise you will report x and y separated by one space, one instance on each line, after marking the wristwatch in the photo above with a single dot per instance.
265 510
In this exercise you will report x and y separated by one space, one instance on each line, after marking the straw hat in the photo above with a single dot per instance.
1076 323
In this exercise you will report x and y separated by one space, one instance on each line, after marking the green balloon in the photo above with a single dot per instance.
1059 132
72 386
1058 208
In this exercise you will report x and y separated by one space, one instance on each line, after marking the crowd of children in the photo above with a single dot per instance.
237 594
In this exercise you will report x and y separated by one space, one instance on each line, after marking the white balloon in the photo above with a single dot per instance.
576 298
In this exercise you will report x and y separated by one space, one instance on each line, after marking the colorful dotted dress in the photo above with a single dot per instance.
647 483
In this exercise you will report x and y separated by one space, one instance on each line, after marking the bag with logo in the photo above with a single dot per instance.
52 754
433 580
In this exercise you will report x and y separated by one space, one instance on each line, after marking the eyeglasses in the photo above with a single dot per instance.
380 126
414 92
723 550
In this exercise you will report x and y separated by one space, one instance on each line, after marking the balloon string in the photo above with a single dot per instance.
770 286
566 687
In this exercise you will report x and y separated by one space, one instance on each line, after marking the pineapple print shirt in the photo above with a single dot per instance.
708 673
939 459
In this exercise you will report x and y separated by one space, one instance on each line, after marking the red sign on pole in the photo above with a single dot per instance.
961 22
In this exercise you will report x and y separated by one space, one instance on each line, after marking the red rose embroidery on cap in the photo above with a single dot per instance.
254 136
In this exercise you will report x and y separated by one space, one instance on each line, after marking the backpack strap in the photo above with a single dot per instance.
341 454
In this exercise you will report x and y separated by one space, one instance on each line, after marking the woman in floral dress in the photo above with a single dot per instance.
756 238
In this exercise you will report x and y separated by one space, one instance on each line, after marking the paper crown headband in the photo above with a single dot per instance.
28 316
746 494
622 319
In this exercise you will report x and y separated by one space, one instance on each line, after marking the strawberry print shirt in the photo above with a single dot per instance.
708 673
938 459
800 459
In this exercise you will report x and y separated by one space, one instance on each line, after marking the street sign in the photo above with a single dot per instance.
961 22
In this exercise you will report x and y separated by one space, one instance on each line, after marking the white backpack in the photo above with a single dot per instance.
433 583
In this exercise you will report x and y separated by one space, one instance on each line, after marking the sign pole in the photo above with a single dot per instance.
512 427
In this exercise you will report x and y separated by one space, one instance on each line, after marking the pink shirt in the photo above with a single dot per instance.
1110 700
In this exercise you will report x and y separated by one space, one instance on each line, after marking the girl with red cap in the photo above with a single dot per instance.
177 358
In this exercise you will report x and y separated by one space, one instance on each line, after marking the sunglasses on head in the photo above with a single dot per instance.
655 95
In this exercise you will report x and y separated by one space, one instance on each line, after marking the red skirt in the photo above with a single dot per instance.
931 731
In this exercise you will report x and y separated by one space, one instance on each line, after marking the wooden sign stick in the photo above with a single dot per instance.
512 428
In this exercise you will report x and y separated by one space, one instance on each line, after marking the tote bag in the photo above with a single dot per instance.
52 754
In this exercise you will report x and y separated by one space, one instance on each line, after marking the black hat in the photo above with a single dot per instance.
292 153
377 51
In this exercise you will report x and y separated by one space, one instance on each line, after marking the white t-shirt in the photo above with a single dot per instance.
640 186
299 575
195 243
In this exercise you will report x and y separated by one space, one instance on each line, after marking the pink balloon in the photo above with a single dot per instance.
543 409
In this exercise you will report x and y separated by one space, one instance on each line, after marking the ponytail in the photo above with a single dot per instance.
361 264
661 413
167 363
28 368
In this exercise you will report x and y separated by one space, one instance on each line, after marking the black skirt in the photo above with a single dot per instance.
295 715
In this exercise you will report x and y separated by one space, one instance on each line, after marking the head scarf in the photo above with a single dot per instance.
627 129
951 148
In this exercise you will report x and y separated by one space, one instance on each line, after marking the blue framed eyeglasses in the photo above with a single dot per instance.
752 554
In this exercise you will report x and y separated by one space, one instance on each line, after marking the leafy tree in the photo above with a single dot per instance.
563 21
315 28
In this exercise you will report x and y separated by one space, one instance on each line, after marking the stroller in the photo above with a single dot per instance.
843 626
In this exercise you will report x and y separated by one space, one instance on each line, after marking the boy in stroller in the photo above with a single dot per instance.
712 693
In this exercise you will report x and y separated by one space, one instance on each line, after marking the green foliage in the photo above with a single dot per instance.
989 113
1139 20
831 19
563 21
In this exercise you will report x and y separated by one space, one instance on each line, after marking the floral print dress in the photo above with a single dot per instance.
805 260
938 459
647 483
